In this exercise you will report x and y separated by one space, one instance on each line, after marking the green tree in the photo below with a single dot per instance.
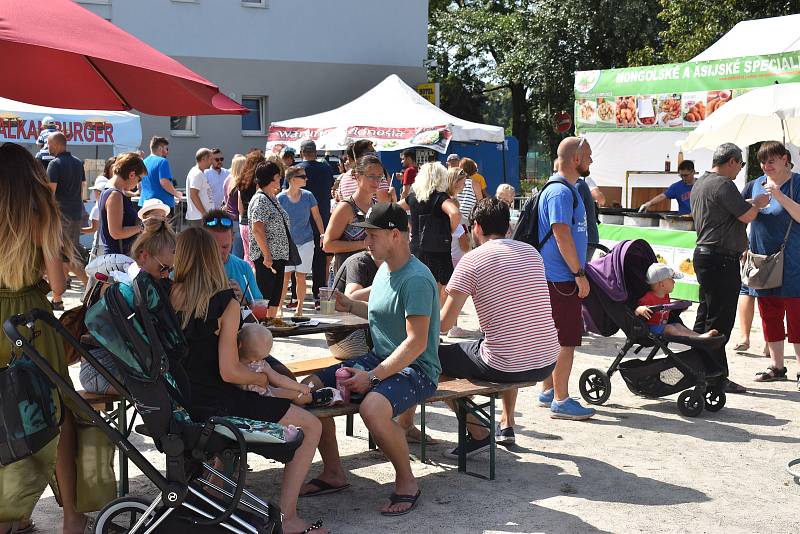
694 25
532 48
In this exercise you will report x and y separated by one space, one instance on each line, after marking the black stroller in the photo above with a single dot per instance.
617 282
136 326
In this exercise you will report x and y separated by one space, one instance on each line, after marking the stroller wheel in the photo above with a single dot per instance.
715 399
595 386
120 515
690 403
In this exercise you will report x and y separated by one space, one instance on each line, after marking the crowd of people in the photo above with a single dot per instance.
406 264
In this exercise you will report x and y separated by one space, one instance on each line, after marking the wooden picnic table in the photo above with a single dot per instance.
340 323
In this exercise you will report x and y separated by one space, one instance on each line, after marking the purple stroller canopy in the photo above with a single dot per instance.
609 273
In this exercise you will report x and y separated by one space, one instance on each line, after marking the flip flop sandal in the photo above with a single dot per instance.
395 498
324 488
742 347
772 374
314 526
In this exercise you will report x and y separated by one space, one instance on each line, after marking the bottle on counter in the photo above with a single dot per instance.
667 164
680 157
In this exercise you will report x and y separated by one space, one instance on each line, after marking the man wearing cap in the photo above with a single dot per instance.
452 161
216 175
100 183
320 182
43 156
661 279
403 368
720 217
287 156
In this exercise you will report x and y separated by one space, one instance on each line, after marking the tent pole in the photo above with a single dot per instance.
504 162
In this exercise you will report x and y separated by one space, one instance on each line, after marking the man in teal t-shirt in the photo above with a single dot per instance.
403 368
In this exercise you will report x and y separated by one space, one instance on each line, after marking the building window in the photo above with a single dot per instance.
253 123
255 3
183 126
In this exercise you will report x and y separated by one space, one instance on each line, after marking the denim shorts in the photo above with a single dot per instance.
409 387
91 379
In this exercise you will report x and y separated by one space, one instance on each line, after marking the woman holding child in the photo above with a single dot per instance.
210 317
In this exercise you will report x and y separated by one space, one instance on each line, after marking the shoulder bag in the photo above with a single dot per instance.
294 255
765 271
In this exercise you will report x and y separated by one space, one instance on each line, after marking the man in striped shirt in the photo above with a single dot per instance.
506 281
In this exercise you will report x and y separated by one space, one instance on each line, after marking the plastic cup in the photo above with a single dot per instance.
327 301
260 308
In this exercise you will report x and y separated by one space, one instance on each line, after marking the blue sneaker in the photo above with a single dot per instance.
546 398
570 409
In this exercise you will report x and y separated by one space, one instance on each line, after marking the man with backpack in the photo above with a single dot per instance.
559 225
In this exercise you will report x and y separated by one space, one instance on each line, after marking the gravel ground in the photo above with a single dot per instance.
638 466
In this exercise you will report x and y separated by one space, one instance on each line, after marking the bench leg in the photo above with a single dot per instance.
492 444
422 439
371 441
348 426
462 435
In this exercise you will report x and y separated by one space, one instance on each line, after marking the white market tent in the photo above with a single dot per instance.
21 123
756 38
390 105
618 152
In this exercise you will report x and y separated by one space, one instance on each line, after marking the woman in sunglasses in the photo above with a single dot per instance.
269 242
119 217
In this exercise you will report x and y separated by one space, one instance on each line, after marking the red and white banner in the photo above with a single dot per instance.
384 138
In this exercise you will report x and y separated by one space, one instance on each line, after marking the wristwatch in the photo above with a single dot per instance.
373 380
580 274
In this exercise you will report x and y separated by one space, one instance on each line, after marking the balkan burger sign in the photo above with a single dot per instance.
92 131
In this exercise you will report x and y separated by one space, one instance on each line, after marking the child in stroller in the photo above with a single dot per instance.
618 281
653 306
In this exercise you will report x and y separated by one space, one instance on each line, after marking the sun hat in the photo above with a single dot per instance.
153 204
100 183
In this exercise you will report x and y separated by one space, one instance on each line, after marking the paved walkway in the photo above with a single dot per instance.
638 466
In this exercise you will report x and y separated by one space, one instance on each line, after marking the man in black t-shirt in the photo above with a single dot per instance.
720 217
66 176
320 182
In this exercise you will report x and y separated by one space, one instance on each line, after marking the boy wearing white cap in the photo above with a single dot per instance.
662 281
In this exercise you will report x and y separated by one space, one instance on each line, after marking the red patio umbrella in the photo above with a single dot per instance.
56 53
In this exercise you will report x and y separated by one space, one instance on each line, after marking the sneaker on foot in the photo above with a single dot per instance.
504 436
546 398
326 397
570 409
473 447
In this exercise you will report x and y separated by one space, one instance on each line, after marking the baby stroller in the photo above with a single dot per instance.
137 326
617 281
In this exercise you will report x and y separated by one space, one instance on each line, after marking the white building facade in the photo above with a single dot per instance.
280 58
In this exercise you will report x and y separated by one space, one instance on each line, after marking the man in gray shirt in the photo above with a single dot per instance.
721 216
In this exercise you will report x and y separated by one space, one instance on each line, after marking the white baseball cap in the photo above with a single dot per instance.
48 120
100 183
659 272
153 204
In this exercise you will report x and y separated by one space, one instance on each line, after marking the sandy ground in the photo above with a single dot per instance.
638 466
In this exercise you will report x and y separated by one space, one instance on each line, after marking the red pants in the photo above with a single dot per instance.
772 310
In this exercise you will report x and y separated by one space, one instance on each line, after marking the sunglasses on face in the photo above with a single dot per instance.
219 159
224 222
164 269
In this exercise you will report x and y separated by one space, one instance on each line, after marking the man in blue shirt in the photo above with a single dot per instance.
320 182
240 274
680 190
561 210
403 368
158 182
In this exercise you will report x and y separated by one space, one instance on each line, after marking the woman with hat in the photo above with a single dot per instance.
119 220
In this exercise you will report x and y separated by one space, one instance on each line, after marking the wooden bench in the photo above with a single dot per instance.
115 407
460 391
309 367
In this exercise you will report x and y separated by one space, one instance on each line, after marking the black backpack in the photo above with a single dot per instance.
29 419
434 225
527 229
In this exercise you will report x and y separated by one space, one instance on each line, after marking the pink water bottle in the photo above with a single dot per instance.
343 374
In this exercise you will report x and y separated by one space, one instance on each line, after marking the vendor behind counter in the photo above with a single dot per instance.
679 191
